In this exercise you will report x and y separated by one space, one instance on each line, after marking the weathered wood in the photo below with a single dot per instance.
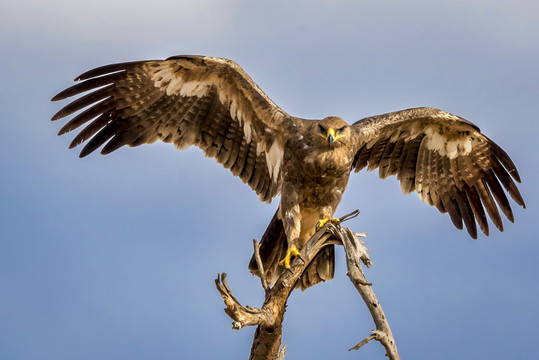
269 318
260 266
356 253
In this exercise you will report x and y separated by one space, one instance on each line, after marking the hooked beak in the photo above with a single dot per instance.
330 137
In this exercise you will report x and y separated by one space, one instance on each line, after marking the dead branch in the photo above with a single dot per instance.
356 253
269 317
260 266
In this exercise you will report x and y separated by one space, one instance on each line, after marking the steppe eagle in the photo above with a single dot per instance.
213 104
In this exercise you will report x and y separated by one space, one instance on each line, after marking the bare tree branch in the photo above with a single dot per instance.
356 252
269 318
260 266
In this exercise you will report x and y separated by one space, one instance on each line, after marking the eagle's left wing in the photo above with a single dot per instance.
443 157
187 100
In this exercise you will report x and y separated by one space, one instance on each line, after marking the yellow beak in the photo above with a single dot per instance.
330 136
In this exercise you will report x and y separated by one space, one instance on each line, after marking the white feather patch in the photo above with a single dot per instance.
247 130
162 77
239 116
233 109
171 83
194 88
173 86
274 157
445 147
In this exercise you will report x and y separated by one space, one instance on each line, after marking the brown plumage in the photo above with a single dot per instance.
213 104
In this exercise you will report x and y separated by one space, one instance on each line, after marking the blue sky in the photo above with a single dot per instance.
113 257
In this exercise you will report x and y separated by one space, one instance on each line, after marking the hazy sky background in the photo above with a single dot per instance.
114 257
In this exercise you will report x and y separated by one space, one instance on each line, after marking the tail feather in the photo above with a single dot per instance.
322 268
273 248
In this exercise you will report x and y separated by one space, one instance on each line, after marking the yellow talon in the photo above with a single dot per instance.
323 222
291 252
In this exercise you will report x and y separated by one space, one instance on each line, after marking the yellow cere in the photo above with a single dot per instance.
332 133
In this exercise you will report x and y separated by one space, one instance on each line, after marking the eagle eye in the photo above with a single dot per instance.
341 129
322 129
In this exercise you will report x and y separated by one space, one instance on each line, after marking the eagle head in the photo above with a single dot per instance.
331 131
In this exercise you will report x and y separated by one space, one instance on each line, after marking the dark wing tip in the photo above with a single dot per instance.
107 69
56 116
504 159
86 151
59 96
102 70
514 173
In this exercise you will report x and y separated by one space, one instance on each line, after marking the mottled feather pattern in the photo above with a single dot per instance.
445 158
187 100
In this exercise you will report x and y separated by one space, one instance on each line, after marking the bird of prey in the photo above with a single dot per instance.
213 104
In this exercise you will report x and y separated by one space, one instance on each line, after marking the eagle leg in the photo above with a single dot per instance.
323 222
290 253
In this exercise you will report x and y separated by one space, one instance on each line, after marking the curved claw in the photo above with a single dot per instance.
290 253
323 222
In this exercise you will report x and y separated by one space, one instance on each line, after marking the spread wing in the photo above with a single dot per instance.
443 157
186 100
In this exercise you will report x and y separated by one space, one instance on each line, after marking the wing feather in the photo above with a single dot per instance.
477 208
452 207
362 157
107 69
104 106
106 133
407 169
395 157
187 100
467 213
84 101
505 179
376 153
435 181
445 159
488 202
499 194
90 84
91 129
385 161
